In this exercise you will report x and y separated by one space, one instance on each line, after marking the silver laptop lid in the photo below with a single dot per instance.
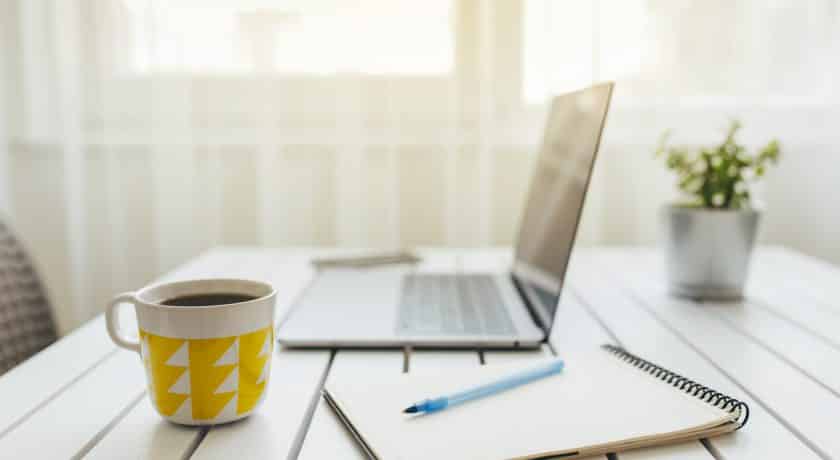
556 196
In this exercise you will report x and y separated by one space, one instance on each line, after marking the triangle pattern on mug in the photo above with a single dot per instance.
207 379
254 364
266 346
265 371
208 363
231 356
231 383
180 358
164 374
229 410
182 386
185 411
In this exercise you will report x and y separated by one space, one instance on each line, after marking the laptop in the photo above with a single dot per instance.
401 306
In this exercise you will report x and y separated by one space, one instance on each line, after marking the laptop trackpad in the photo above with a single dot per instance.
347 304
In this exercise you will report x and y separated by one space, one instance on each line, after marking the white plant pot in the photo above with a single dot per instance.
707 251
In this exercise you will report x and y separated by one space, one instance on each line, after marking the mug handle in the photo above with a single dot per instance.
112 321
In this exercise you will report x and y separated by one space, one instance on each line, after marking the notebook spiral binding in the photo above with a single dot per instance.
704 393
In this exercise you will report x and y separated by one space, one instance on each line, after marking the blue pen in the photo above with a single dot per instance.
513 381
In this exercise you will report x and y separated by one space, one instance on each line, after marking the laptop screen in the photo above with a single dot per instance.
555 199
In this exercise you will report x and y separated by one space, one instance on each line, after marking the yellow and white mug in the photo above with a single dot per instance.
205 364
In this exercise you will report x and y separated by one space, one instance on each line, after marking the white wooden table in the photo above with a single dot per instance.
779 351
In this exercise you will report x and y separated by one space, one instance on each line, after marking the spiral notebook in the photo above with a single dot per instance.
604 401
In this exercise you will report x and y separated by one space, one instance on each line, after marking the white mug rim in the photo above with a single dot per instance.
142 295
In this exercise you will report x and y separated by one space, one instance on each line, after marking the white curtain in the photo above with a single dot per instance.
135 134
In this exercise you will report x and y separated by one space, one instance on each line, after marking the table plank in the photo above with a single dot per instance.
772 288
769 322
327 437
798 310
798 348
143 434
816 279
81 413
24 389
691 343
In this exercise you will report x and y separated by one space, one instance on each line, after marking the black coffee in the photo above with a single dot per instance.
204 300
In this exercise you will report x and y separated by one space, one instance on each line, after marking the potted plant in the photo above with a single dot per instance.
709 237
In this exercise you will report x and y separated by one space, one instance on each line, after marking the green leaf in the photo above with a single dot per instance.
715 176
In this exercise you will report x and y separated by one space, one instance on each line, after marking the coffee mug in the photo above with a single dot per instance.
205 344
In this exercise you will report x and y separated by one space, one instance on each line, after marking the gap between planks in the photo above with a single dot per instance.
104 431
56 393
771 310
793 430
297 445
199 437
769 349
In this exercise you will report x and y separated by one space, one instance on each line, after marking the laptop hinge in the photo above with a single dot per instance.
529 306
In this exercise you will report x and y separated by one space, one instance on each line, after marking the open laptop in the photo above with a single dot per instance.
400 306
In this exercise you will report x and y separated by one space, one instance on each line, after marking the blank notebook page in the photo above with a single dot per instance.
597 399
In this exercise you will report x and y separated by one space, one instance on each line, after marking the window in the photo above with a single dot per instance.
568 44
298 37
708 51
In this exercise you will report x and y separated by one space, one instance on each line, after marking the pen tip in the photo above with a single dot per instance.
410 410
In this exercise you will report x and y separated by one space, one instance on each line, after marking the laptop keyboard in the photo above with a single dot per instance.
440 304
